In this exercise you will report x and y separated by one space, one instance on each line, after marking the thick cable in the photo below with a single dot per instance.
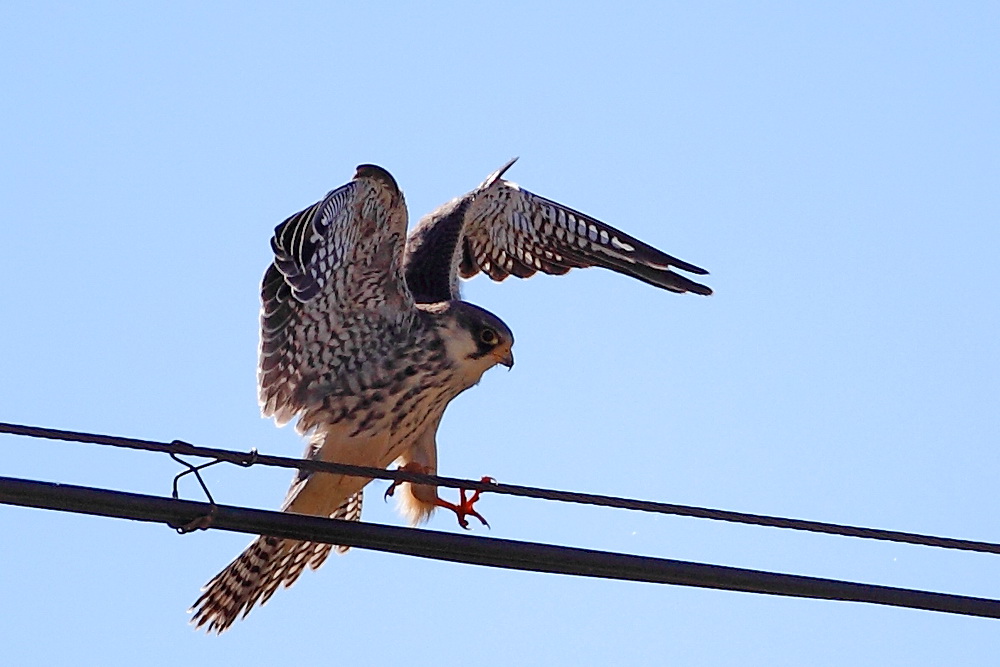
492 552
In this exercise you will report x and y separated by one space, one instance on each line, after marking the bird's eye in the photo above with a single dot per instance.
489 336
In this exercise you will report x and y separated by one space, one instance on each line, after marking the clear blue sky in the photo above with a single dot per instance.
835 165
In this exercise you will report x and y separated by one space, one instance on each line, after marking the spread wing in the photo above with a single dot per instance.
502 229
337 266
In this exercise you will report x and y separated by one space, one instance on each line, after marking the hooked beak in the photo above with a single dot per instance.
506 360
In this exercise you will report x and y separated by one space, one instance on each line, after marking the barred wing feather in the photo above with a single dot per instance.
511 231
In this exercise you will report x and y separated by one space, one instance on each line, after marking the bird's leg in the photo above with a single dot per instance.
465 506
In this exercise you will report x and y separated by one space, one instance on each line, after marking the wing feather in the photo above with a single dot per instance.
504 230
336 263
511 231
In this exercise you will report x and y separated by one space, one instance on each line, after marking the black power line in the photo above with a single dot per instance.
492 552
254 458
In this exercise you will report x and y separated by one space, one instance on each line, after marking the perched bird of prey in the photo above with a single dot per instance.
364 339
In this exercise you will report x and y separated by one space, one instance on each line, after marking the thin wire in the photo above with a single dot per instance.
196 471
254 458
492 552
202 522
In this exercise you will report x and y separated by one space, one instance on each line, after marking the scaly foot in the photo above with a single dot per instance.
465 506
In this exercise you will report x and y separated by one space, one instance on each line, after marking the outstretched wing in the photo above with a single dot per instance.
510 231
501 229
336 264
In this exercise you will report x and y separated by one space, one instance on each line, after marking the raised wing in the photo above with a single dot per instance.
510 231
502 230
337 265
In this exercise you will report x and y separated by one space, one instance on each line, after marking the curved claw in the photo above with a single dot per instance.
391 490
409 467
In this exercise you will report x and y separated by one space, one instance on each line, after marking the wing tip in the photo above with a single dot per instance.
497 175
682 284
703 290
507 165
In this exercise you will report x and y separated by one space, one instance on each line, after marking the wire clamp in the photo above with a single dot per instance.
249 459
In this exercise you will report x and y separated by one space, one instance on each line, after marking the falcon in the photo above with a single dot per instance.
365 340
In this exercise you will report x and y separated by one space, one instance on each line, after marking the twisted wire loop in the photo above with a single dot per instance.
200 522
204 521
253 457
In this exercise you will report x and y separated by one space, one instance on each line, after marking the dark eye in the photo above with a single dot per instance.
489 336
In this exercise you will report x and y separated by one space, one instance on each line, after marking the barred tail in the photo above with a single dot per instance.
255 574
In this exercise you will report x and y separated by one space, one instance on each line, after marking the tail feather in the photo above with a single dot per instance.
257 573
237 588
349 510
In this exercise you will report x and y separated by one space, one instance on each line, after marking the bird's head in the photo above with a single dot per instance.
477 340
